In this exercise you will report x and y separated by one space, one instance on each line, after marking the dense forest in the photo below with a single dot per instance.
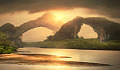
79 43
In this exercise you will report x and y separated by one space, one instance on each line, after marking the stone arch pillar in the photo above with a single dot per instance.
106 30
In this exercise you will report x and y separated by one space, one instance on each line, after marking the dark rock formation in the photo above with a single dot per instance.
9 29
68 30
14 33
47 20
106 30
11 33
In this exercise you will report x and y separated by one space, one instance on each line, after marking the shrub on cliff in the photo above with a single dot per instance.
6 46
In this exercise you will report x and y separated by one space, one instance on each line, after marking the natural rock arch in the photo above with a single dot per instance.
14 33
46 21
106 30
33 24
36 34
87 32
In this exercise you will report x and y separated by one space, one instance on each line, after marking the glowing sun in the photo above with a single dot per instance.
58 18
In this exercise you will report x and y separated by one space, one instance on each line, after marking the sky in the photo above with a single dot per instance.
18 12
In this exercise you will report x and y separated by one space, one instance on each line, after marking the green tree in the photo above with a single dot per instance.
6 46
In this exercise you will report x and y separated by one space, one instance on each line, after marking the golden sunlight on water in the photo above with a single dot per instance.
95 56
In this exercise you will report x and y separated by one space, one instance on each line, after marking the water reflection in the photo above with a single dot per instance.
99 56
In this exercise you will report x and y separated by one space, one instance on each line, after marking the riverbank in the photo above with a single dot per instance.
87 44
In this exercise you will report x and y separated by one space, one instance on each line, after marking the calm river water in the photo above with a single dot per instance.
96 56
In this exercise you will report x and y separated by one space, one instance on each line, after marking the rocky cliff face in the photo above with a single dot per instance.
14 33
11 33
47 20
106 30
68 30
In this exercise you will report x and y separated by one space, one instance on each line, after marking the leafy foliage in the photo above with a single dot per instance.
80 43
6 46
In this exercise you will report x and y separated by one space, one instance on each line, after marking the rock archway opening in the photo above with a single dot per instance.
87 32
36 34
